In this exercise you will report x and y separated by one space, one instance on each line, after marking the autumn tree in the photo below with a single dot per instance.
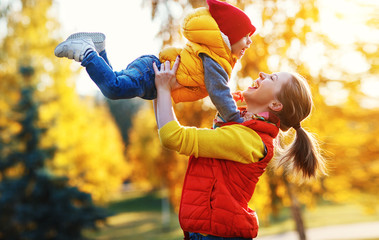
123 111
294 38
90 150
35 204
153 166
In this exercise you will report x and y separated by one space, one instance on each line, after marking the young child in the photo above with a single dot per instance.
226 163
217 38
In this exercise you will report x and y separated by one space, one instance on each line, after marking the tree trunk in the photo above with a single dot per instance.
296 210
165 209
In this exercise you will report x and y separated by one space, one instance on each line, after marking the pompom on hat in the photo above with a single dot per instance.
232 21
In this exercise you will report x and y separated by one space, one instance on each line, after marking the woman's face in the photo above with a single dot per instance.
262 95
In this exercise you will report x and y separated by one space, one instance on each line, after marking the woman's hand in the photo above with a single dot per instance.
165 82
165 78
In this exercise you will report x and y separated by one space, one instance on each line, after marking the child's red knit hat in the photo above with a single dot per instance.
232 21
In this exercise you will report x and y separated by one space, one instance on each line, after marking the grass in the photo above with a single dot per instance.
322 215
138 217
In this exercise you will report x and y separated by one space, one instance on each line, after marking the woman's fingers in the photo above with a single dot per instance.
165 75
155 68
176 64
162 67
167 65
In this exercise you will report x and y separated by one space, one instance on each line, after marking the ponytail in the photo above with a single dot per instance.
302 156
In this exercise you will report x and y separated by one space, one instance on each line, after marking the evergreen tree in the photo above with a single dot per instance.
82 127
34 204
123 111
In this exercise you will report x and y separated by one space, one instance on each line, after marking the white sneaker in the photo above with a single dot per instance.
98 39
74 48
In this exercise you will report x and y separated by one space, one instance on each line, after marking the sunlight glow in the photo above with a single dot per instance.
346 24
127 25
329 92
371 86
131 32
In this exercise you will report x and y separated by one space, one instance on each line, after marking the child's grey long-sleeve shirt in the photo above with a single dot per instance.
216 81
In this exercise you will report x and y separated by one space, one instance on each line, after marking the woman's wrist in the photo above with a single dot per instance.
164 106
164 80
164 89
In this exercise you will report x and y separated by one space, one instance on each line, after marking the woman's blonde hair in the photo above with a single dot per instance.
303 154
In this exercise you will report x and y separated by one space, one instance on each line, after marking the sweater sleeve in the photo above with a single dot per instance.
233 142
216 81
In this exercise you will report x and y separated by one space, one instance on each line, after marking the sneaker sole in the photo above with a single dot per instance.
62 49
97 37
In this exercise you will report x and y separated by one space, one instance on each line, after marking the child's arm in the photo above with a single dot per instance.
216 82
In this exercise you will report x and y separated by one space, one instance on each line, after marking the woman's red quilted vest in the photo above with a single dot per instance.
216 192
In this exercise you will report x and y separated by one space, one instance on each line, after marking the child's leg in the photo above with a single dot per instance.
137 80
104 55
97 38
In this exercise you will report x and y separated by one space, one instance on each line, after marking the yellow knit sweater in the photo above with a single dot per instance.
232 142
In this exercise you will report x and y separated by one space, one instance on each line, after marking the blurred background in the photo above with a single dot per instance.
74 164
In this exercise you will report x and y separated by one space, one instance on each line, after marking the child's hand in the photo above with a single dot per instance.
165 78
237 96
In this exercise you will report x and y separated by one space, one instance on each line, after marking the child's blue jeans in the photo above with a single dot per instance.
137 80
197 236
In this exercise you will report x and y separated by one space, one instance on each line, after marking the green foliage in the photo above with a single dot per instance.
47 191
34 204
89 147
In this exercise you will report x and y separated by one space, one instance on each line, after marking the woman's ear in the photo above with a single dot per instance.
275 106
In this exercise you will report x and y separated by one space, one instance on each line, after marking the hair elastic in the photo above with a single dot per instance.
297 126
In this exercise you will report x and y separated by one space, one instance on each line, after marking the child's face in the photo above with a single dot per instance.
239 48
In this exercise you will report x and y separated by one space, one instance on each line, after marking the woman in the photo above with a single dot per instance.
226 162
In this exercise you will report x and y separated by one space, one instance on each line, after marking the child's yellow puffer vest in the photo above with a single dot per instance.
204 36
